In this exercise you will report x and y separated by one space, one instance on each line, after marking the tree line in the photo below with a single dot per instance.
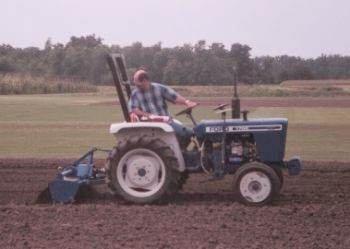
84 58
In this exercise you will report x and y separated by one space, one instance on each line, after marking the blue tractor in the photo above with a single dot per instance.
151 161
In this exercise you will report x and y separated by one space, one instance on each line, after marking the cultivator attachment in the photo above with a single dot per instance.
65 187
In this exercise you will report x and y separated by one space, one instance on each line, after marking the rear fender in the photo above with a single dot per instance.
163 131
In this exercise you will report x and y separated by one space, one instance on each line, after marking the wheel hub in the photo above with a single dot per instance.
142 171
255 186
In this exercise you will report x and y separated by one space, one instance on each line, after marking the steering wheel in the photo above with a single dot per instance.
220 107
188 110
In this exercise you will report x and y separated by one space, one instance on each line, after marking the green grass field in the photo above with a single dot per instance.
66 125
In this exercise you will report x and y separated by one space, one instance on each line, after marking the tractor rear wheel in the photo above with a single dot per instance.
256 184
143 170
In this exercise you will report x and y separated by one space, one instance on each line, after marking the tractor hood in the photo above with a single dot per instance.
269 134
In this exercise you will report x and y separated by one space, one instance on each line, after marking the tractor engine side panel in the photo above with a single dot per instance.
270 145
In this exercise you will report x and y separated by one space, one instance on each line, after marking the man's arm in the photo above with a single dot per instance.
181 100
134 108
134 116
172 96
138 112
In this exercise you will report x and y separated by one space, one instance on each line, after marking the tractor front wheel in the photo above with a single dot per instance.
256 184
279 173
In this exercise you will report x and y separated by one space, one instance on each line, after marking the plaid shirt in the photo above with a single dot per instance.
154 100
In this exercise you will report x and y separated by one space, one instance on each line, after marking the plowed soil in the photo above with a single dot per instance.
313 211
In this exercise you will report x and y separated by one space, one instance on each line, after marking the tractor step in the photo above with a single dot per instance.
214 177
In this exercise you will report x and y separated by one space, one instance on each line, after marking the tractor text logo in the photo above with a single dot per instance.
219 129
214 129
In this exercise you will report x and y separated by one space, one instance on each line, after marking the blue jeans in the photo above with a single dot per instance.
183 133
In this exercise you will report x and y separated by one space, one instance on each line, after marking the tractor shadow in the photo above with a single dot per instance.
184 198
176 199
91 196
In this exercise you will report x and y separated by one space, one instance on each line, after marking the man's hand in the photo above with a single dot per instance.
190 103
134 118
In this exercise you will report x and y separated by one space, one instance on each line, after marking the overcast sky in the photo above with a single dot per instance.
306 28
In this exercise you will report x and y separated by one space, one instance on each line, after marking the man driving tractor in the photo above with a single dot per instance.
149 101
149 98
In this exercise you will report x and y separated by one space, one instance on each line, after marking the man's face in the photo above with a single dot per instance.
143 85
139 84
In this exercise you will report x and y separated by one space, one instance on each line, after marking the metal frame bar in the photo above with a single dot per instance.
116 63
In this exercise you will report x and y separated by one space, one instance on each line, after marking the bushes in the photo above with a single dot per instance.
24 84
321 91
264 91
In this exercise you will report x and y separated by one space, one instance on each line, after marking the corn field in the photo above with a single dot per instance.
25 84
